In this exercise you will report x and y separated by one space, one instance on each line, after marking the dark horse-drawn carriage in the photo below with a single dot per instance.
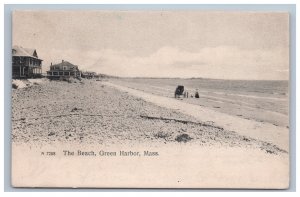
179 91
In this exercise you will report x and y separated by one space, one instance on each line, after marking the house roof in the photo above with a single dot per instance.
24 52
66 64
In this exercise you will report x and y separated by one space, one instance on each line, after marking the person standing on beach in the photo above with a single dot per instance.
196 94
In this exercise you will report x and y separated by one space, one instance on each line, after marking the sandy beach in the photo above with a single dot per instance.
222 149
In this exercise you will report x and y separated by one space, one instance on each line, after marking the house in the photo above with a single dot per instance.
89 75
25 63
63 70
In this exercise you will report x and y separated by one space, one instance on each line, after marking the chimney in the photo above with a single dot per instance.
51 63
62 61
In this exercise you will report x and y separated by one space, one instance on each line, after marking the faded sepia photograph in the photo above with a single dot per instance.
150 99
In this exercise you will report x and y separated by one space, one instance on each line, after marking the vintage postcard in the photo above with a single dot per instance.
150 99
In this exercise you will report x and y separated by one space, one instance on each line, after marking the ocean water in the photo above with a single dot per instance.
256 97
254 87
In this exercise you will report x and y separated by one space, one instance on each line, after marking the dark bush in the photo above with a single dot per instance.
183 138
14 86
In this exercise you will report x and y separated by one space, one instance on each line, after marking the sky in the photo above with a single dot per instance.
207 44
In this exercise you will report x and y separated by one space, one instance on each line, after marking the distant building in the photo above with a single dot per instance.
89 75
63 70
25 63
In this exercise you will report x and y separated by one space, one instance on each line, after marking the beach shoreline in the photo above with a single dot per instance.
91 116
